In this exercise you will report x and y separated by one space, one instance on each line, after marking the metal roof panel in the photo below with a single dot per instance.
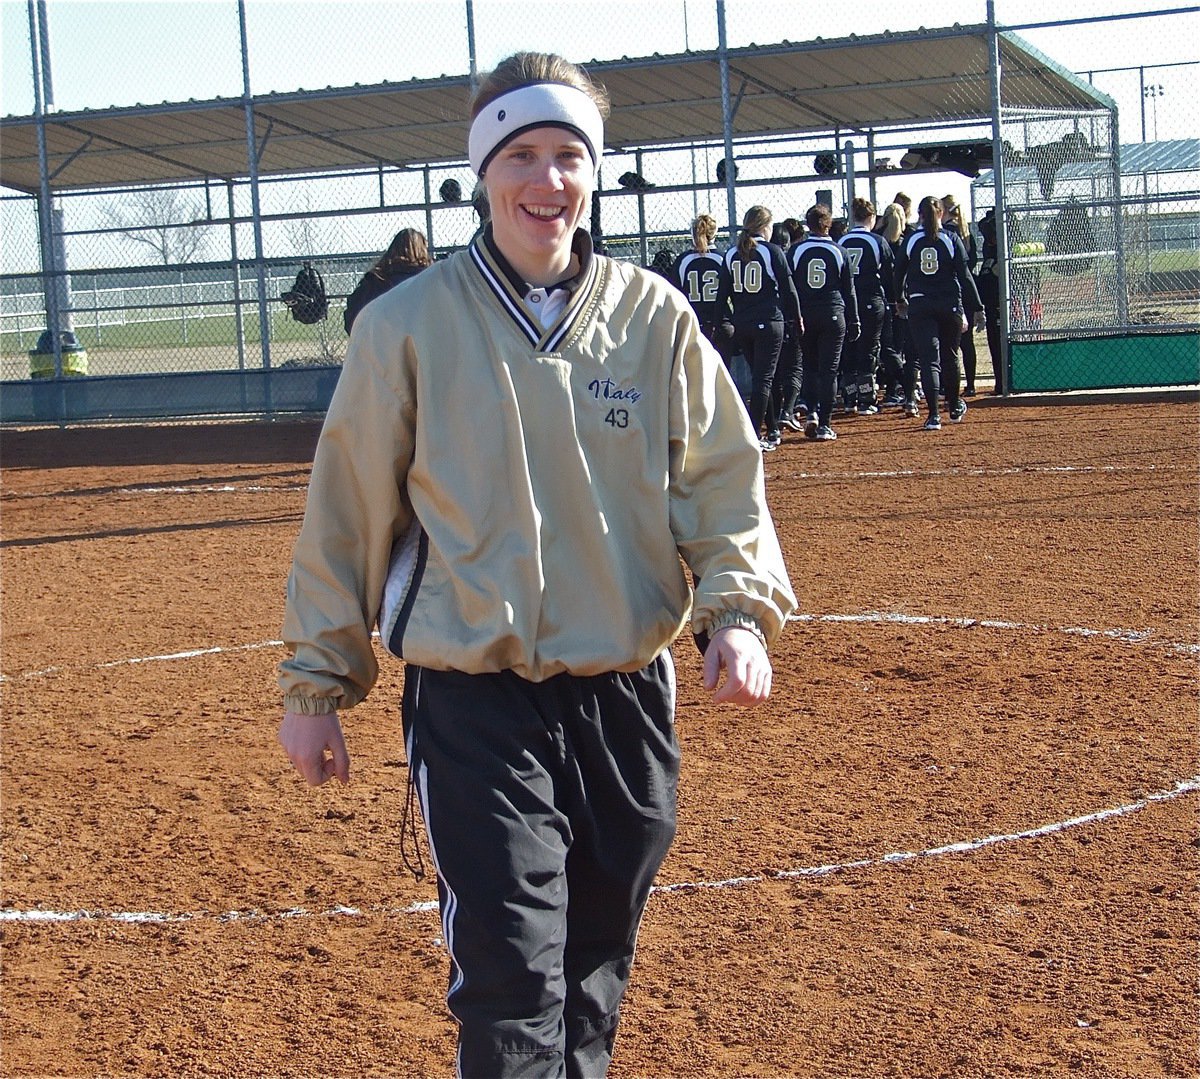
849 84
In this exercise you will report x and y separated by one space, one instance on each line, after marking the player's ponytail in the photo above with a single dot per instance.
704 232
930 212
757 219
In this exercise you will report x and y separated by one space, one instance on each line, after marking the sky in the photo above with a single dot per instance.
125 52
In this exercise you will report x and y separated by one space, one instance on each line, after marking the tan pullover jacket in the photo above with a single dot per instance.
498 495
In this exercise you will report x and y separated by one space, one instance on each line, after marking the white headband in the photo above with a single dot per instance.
544 104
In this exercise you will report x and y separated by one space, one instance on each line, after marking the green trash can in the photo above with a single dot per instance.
74 356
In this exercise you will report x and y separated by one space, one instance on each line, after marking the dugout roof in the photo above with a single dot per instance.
849 85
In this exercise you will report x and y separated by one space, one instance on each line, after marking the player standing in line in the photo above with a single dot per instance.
988 283
822 276
528 570
955 221
935 286
873 271
900 358
698 275
755 280
791 408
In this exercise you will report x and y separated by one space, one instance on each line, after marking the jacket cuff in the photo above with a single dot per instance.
310 706
739 619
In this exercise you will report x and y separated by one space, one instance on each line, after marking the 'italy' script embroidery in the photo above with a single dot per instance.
610 391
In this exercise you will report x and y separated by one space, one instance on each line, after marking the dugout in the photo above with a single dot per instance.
1105 274
836 116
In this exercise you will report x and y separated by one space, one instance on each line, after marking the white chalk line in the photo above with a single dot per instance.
191 653
212 489
1124 636
1012 470
889 474
1182 787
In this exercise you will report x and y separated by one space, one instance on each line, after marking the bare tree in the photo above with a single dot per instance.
307 234
162 219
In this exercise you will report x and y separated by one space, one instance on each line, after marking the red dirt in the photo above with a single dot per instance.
157 787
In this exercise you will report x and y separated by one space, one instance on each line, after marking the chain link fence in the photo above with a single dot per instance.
185 280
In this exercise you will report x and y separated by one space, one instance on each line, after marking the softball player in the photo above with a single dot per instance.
528 570
821 272
955 221
407 255
697 273
872 268
755 280
934 284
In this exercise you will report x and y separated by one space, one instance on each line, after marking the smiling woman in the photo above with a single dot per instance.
528 570
537 132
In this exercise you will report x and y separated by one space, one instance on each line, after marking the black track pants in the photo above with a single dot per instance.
864 350
761 343
824 332
936 333
549 807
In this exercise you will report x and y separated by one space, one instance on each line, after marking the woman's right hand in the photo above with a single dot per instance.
306 739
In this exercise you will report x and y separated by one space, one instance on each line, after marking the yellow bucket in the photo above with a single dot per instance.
74 363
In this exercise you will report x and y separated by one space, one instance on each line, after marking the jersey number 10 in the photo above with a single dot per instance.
747 276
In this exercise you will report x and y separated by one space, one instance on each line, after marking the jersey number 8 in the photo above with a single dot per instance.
929 261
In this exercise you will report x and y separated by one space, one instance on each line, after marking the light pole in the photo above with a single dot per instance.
1154 92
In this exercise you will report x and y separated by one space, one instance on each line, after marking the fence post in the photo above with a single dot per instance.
1119 222
848 149
643 246
238 321
428 207
45 198
264 333
726 123
1002 364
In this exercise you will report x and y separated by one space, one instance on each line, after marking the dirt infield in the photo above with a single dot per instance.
959 841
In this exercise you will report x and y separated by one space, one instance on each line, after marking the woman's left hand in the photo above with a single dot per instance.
743 657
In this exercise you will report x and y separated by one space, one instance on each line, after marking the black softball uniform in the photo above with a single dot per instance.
873 270
760 290
697 274
932 275
822 276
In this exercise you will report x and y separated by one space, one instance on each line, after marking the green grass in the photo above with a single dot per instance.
1171 261
217 331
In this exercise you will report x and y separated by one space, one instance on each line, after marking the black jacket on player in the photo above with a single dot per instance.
698 276
968 242
375 283
934 269
872 264
822 275
758 286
